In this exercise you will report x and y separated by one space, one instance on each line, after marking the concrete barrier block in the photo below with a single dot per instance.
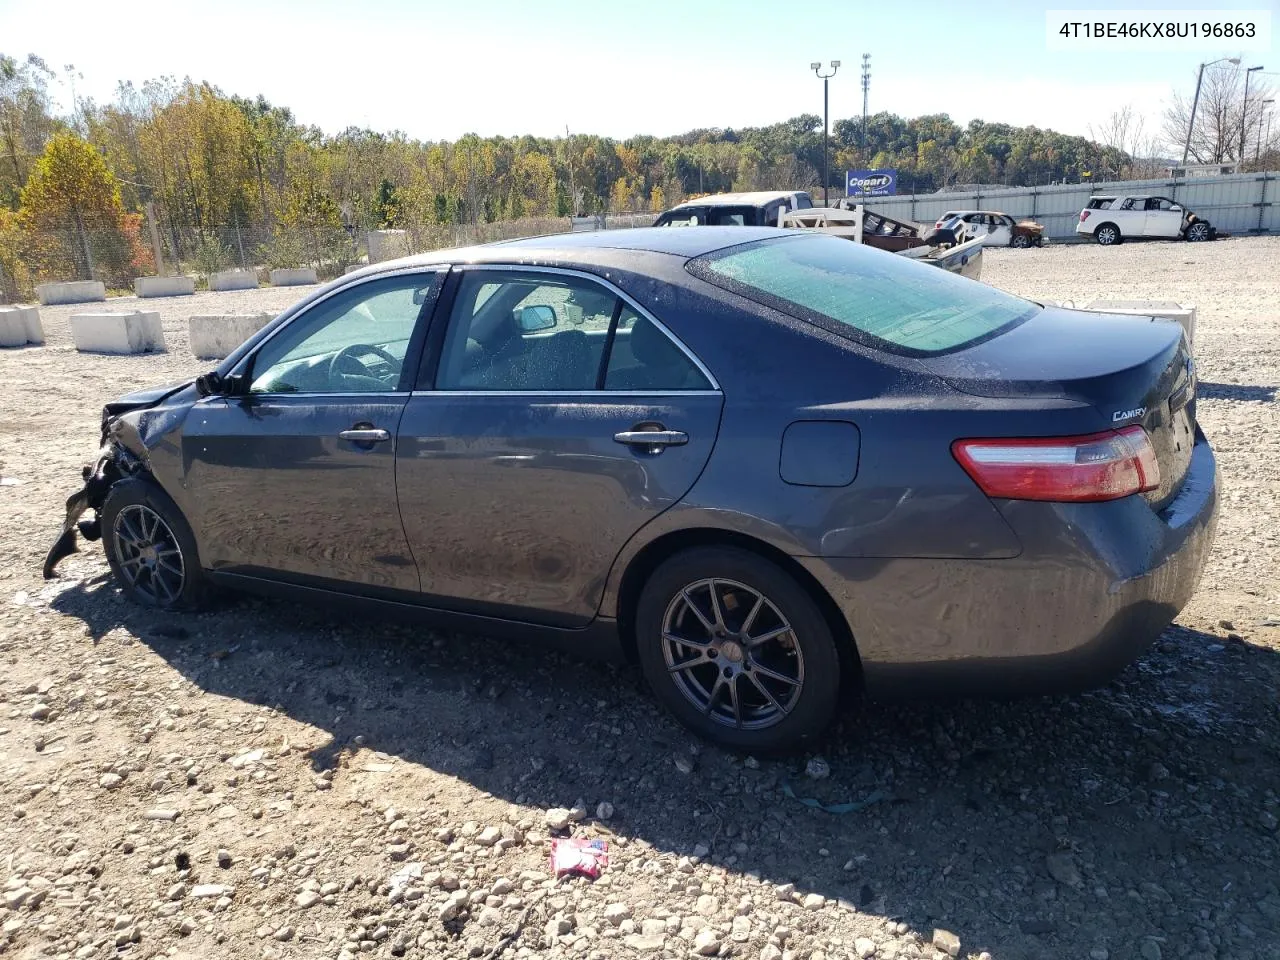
164 286
233 280
292 277
73 291
387 245
136 331
20 326
1185 314
215 336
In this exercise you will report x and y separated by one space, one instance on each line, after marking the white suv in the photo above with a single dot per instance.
1112 219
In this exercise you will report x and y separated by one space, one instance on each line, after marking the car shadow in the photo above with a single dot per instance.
1208 390
1034 828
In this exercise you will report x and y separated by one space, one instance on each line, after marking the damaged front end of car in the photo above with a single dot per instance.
131 427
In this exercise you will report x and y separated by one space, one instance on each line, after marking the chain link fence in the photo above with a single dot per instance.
118 257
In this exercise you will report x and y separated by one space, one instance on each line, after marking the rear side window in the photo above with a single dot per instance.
1101 203
868 295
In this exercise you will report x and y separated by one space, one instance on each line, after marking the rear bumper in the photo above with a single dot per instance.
1094 586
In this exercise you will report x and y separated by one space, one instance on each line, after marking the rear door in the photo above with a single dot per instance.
554 418
296 479
1130 215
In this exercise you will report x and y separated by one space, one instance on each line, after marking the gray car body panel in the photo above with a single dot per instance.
932 578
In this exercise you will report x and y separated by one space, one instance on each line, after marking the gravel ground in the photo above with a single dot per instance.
267 780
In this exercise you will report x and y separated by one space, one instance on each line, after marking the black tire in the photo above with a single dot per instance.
1107 235
146 576
1199 232
1021 241
771 716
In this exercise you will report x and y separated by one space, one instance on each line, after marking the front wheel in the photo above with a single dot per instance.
1199 232
738 650
150 547
1021 241
1107 235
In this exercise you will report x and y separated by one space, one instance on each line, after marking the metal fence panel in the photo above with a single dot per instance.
1239 203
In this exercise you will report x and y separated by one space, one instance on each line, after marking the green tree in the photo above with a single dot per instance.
72 215
26 121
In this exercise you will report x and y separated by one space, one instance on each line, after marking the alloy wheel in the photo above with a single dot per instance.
1107 236
1198 231
148 554
732 654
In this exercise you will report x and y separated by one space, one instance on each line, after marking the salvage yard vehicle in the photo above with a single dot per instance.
997 229
760 208
769 466
1109 220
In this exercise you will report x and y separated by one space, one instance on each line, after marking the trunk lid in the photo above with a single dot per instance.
1131 369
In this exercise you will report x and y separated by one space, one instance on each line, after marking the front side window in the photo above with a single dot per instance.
353 342
870 296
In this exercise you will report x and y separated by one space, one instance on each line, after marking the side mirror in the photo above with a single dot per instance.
1175 209
213 384
535 318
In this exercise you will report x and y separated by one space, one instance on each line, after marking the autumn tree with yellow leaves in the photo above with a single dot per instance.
72 217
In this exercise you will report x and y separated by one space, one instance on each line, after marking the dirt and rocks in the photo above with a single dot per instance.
268 780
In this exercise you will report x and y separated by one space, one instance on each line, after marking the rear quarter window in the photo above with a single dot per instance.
868 295
1101 203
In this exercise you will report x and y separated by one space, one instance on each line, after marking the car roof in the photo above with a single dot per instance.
756 198
683 242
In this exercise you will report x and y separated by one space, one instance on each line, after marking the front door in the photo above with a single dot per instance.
557 422
1000 232
1164 218
295 479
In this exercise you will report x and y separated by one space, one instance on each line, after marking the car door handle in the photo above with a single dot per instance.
365 435
654 440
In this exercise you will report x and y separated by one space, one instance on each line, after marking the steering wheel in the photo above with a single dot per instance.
350 355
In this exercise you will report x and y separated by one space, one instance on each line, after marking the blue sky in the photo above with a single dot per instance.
437 70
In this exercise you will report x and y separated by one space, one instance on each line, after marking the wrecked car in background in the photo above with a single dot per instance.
1112 219
995 228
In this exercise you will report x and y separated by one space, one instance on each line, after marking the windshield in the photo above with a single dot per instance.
869 295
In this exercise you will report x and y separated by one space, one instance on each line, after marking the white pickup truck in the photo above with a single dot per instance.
1112 219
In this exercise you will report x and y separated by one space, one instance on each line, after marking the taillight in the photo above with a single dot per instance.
1100 466
1084 215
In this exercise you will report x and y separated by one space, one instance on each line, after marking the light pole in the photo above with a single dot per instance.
1196 100
1258 147
826 169
1244 109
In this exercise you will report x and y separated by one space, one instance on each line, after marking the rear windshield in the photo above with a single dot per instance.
880 298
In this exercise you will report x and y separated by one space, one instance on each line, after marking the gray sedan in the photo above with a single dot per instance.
768 467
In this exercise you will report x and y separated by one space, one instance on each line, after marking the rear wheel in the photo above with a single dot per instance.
1021 241
737 650
1107 234
150 547
1198 232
